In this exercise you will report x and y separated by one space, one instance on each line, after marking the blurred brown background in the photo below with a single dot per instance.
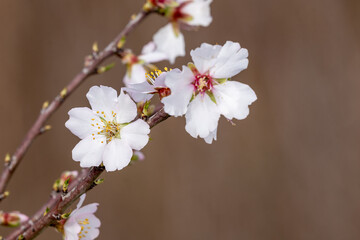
288 171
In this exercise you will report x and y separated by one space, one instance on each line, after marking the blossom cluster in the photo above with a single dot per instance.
112 131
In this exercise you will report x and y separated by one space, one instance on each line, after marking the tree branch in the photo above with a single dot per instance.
38 127
59 202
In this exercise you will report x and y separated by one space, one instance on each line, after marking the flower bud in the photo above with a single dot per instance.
12 219
137 156
71 175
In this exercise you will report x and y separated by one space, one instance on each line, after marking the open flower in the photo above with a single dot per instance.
82 223
191 12
202 91
107 132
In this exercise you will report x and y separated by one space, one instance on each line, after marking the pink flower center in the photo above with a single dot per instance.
202 83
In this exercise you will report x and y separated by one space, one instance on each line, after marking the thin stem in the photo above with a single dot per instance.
38 126
60 202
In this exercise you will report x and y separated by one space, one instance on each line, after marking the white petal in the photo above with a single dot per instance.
181 91
136 134
85 211
200 12
80 122
81 201
71 230
154 57
91 234
204 57
148 48
168 43
233 99
137 75
160 80
125 109
117 155
90 230
202 116
89 151
102 98
231 60
212 136
150 54
140 92
94 221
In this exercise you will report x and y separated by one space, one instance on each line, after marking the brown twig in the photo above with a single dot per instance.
59 202
38 127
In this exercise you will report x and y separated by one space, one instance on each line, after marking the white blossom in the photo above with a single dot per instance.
82 223
203 90
107 132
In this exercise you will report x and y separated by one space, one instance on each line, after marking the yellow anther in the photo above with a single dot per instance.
165 68
93 125
97 111
93 138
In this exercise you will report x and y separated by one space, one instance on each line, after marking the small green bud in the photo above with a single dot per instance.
65 215
99 181
103 69
121 43
66 185
46 211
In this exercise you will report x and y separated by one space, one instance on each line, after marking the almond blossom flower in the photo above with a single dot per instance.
203 91
188 12
107 132
191 12
82 223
